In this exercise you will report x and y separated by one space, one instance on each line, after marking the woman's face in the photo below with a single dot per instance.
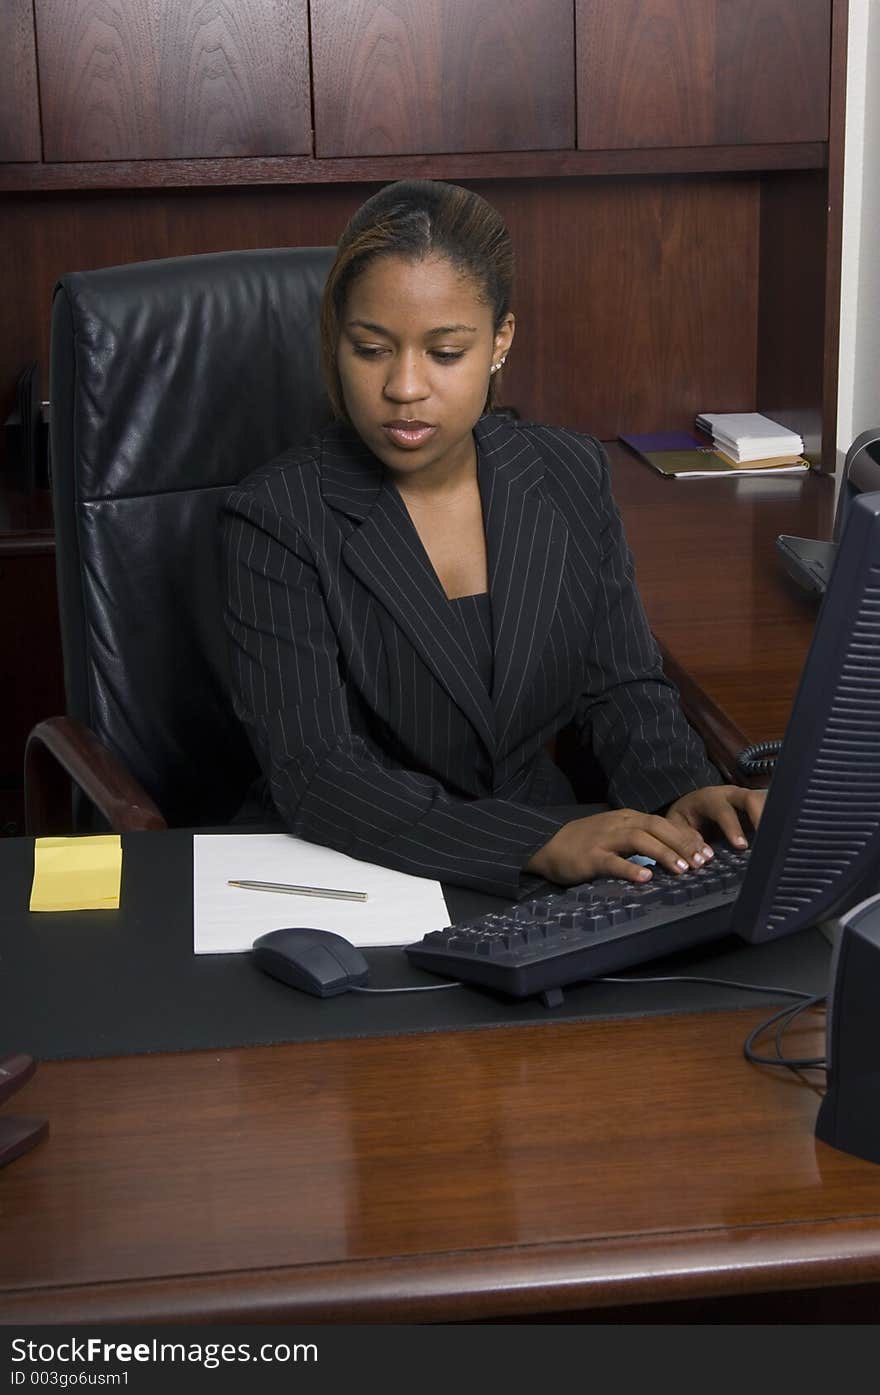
416 345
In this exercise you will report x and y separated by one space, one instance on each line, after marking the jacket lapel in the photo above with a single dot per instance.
387 557
525 540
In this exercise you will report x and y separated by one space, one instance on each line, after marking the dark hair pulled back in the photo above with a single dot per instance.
415 219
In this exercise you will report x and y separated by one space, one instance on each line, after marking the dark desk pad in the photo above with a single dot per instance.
110 983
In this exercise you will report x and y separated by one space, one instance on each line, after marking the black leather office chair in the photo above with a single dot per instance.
169 381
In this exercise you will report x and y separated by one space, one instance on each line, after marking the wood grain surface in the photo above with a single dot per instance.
792 308
466 1174
19 101
701 72
242 171
422 76
153 79
714 586
637 300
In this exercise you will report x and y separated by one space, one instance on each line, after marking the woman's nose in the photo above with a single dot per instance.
407 378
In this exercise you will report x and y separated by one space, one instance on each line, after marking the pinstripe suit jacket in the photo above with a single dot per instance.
359 690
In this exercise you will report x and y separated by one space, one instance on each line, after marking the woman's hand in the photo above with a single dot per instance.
720 805
598 846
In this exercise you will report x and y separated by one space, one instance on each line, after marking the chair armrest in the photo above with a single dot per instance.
723 739
61 751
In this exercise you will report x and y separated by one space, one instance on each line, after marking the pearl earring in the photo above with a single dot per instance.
500 364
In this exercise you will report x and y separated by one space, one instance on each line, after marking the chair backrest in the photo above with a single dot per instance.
170 381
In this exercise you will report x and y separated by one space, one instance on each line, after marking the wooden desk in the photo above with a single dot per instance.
445 1177
717 595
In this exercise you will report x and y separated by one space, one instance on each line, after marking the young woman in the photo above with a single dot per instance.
420 598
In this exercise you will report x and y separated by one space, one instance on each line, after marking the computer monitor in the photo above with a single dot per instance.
810 560
861 475
816 852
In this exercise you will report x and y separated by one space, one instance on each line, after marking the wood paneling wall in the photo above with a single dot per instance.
791 307
636 300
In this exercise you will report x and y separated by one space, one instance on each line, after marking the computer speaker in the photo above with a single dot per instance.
849 1116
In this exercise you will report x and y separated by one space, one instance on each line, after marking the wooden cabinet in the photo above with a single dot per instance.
426 76
19 107
146 81
156 79
701 72
682 236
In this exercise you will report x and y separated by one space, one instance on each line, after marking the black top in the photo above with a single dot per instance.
475 616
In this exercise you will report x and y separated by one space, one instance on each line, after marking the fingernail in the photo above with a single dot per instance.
708 852
681 864
740 842
644 874
698 860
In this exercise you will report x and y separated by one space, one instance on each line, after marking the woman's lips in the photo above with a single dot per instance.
409 435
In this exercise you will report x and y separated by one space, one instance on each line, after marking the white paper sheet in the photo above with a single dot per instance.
227 919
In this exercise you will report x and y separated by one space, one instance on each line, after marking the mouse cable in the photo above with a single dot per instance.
715 982
413 988
605 978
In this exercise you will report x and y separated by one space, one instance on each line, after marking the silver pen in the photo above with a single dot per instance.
303 890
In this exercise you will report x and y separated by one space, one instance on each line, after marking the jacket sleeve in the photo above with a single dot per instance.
629 712
329 784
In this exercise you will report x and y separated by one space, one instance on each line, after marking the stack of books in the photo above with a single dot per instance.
748 438
728 443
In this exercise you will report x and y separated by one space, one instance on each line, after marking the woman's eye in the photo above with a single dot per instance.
448 355
368 350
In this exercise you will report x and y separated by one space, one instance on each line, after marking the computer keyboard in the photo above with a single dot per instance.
585 931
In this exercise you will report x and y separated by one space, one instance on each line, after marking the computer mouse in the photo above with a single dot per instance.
317 961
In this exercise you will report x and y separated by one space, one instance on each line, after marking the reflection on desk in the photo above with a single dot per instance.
511 1172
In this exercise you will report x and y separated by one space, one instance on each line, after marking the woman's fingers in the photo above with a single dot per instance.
609 838
600 844
679 845
721 805
617 866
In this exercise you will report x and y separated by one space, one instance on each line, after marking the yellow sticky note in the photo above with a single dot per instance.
77 874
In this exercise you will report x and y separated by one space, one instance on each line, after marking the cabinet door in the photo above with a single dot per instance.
429 76
702 72
19 112
161 79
